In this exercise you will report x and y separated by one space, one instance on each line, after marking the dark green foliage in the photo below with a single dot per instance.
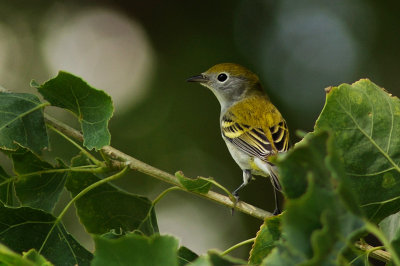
317 225
365 121
22 229
193 184
6 189
41 190
137 250
92 107
22 122
106 207
266 240
185 255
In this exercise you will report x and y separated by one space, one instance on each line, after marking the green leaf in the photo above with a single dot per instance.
134 249
36 258
353 257
213 258
365 121
22 122
106 207
186 256
282 254
6 189
396 242
92 107
198 185
9 257
266 239
24 228
318 223
40 191
390 225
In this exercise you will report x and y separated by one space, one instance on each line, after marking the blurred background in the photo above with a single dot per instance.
141 53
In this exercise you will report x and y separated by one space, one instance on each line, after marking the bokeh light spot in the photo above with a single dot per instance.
311 49
10 57
107 49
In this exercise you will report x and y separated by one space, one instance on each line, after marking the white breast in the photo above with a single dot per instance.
245 161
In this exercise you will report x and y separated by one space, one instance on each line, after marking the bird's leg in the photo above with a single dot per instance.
277 209
246 179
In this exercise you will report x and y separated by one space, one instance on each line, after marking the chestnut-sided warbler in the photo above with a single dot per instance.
251 126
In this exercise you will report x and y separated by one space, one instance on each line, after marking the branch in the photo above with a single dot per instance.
376 254
142 167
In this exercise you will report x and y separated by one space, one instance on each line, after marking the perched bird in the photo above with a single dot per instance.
251 126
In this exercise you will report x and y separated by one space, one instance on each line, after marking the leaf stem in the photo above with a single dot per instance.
85 168
238 245
90 156
9 180
78 196
105 157
218 185
165 192
94 169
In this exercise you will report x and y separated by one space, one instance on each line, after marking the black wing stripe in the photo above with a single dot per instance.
274 129
277 136
243 146
280 137
249 149
260 134
254 141
280 146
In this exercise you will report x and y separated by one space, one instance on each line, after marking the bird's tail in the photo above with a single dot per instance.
274 177
270 170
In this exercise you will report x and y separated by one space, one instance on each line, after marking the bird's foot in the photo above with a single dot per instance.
235 194
276 211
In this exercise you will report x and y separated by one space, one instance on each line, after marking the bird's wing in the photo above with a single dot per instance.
256 141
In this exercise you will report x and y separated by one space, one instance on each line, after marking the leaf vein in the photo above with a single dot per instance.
371 139
67 242
373 174
24 114
77 103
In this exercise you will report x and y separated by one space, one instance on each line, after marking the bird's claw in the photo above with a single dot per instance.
276 211
236 196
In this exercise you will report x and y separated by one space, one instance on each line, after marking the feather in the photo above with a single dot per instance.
254 141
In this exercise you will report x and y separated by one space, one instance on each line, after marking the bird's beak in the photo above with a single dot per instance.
199 78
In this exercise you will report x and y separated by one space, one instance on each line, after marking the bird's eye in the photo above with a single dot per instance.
222 77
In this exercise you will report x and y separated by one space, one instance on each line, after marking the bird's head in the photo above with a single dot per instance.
229 82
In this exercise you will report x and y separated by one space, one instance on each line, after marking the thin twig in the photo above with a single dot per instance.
376 254
142 167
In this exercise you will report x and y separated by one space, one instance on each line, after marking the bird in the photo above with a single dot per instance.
251 126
